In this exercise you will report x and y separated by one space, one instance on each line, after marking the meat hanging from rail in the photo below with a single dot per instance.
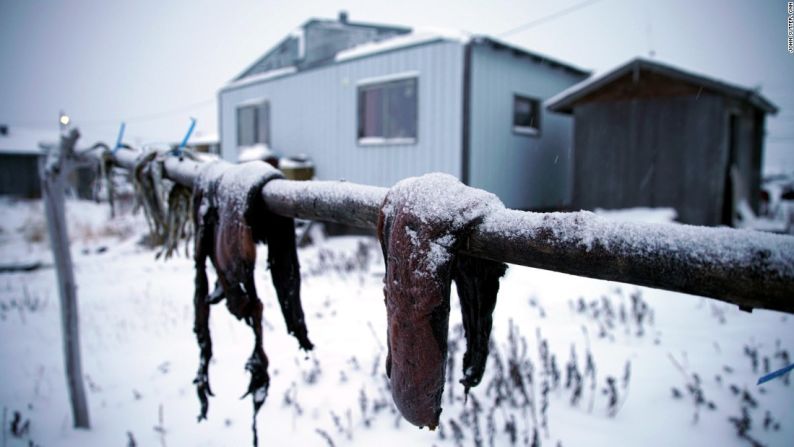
422 224
230 217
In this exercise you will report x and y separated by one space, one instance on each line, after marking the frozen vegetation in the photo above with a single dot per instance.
573 362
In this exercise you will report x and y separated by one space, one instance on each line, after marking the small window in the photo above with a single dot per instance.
387 112
526 115
253 124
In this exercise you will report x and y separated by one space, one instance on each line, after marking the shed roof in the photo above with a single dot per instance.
20 140
567 99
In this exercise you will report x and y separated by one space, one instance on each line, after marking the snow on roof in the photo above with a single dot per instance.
204 138
416 37
20 140
563 101
255 152
259 77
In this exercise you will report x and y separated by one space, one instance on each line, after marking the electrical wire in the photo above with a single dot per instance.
548 18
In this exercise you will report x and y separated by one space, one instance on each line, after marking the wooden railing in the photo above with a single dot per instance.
750 269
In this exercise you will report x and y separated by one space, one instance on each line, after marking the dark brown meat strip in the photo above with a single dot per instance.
420 227
230 218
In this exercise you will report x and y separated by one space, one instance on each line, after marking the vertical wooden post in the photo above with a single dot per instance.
54 169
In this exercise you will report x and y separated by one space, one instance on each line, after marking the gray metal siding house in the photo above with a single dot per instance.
407 103
647 134
525 169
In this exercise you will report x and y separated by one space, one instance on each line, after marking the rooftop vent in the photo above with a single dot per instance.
342 16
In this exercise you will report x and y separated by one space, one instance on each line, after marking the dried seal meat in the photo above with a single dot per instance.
230 217
422 223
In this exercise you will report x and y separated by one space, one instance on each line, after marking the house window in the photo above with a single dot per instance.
387 112
526 115
253 124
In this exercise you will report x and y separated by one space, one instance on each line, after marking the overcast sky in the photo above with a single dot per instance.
155 63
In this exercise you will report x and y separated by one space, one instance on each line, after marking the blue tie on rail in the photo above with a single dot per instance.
187 137
119 138
775 374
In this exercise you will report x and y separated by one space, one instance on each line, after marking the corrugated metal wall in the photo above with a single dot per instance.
524 171
314 112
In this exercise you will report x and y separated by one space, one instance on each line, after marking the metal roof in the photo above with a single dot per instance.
409 38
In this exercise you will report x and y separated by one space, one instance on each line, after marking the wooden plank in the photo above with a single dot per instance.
750 269
53 171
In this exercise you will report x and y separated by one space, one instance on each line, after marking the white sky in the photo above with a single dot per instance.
156 63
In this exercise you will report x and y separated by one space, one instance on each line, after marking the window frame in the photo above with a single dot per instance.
380 82
535 105
257 106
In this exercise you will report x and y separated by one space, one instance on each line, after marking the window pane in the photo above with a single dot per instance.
388 110
263 123
370 113
526 112
246 125
401 110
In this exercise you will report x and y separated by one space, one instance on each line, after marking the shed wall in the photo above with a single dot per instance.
19 175
526 172
314 112
657 152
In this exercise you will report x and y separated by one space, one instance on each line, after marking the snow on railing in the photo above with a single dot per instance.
747 268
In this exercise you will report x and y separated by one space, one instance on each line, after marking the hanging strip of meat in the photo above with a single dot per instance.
422 222
230 218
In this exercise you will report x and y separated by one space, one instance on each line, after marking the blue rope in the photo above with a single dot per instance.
119 138
187 137
775 374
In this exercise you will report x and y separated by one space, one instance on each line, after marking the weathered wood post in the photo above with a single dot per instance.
53 170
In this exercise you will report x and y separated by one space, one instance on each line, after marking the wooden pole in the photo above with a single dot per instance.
53 171
747 268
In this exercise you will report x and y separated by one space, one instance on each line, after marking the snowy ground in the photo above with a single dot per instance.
140 356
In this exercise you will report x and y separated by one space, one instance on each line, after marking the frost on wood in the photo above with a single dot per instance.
753 270
724 263
230 218
343 202
422 223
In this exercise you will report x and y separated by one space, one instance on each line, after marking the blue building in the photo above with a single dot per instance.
375 104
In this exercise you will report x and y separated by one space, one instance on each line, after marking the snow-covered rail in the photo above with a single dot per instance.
747 268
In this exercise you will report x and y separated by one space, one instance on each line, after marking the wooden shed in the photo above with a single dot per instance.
651 135
19 160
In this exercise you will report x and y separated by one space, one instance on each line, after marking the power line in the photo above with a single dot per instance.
155 115
550 17
132 119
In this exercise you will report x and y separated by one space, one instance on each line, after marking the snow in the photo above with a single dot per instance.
297 162
264 76
639 214
380 141
417 37
258 151
443 203
694 245
139 352
442 198
21 140
236 182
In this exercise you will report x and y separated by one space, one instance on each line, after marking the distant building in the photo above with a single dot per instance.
206 143
647 134
19 160
375 104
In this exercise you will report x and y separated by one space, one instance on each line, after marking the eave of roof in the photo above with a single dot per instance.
565 100
486 40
